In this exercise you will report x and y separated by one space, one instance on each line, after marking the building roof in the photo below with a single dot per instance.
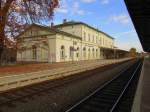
54 30
81 23
139 11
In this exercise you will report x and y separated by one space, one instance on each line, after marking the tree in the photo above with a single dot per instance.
133 52
15 15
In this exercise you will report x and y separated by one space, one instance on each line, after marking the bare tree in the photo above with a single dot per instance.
15 15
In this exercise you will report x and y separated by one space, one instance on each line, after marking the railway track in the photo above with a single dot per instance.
114 96
22 94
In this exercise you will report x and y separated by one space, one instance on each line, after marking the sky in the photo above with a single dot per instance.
110 16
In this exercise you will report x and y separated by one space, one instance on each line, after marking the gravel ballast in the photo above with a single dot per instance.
61 98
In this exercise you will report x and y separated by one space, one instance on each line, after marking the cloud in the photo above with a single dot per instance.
62 10
101 1
88 1
63 7
129 45
122 18
76 9
128 39
105 2
131 33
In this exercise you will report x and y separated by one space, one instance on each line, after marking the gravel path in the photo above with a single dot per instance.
60 98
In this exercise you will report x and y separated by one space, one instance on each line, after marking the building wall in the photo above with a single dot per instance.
89 35
26 54
34 37
97 38
68 42
52 48
91 39
73 29
58 47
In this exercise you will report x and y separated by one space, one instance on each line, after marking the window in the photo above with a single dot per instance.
93 52
96 53
103 41
62 52
89 37
100 40
89 53
71 52
34 52
31 32
84 52
77 54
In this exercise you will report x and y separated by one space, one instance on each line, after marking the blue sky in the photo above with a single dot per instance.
110 16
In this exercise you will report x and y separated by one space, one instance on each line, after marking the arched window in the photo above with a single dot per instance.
77 54
93 52
71 51
96 53
84 52
89 52
34 52
62 52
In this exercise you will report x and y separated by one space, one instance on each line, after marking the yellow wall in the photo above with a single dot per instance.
89 35
74 29
50 50
67 42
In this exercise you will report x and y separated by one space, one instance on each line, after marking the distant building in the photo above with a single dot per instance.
70 41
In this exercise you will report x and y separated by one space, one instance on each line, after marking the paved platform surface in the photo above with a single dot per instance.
142 97
28 68
12 80
145 98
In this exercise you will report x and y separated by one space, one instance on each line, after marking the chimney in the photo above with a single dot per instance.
52 24
64 20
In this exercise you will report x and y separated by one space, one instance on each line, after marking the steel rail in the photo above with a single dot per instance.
40 90
99 89
125 88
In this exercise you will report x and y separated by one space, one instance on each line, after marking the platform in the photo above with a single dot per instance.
11 81
142 98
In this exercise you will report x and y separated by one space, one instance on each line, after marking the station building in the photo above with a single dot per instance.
69 41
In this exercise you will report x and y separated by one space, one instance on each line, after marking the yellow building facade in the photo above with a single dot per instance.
70 41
